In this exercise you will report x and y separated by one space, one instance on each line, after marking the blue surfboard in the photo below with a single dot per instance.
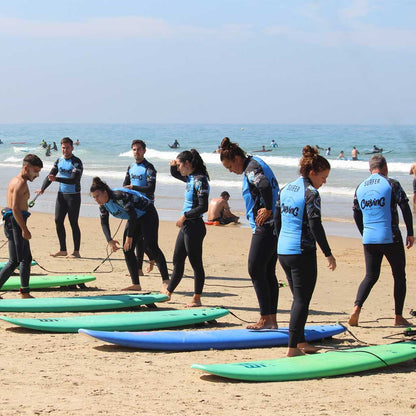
212 339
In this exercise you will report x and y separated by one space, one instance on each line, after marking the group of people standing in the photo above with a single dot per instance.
286 225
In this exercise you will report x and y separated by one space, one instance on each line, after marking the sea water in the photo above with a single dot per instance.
105 152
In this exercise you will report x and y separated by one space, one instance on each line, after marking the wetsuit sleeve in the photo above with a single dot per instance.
277 218
127 178
358 214
75 175
403 203
105 223
128 205
256 177
149 188
53 172
175 173
313 210
202 191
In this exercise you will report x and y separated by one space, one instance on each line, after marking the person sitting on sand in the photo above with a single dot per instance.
219 210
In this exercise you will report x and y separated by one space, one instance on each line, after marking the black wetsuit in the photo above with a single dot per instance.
68 200
19 251
191 234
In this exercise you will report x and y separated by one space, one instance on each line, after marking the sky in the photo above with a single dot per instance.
208 61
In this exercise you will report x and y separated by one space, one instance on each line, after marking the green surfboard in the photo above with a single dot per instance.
3 263
39 282
328 364
133 321
79 303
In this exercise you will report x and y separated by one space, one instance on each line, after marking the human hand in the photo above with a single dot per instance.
332 263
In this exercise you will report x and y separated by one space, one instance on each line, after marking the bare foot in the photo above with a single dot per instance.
307 348
74 255
265 322
26 296
59 254
195 303
150 266
141 272
353 321
400 321
165 285
133 287
1 297
294 352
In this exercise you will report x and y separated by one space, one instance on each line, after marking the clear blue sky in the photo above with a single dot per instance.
208 61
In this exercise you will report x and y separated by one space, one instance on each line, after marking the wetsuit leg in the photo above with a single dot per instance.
150 229
373 255
139 247
130 258
396 257
19 252
301 273
194 234
73 202
261 267
179 257
61 209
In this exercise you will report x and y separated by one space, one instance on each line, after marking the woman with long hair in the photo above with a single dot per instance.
190 168
139 211
260 190
298 227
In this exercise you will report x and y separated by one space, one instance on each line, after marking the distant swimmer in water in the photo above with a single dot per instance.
273 144
377 149
341 155
217 150
219 210
1 141
44 144
328 151
76 143
48 150
354 153
54 147
263 149
175 145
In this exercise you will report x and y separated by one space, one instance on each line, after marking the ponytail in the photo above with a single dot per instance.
312 160
230 150
99 185
195 159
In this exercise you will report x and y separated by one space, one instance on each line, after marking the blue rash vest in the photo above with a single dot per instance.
260 189
68 173
299 211
376 200
143 178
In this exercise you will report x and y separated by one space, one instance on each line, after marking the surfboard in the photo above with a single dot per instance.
318 365
122 321
3 263
213 339
39 282
79 303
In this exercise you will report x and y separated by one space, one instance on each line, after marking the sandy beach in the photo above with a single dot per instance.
72 374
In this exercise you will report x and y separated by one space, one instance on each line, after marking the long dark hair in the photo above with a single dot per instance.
195 159
99 185
230 150
312 160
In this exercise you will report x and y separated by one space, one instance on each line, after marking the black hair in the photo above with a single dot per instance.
67 140
195 160
224 194
99 185
33 160
230 150
139 142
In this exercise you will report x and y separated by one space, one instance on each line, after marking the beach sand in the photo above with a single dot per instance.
72 374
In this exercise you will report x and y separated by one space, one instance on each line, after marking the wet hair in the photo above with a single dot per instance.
138 142
67 140
99 185
312 160
195 159
32 160
224 194
230 150
377 162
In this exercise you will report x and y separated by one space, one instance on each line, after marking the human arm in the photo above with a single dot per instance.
175 173
201 189
47 181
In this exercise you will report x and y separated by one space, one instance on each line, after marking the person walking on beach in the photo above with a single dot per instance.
67 170
15 216
375 213
413 172
190 168
137 209
354 153
298 227
141 177
219 210
260 190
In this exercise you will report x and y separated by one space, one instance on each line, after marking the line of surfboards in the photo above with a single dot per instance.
117 329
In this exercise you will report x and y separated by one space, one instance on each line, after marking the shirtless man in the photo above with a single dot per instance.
413 172
219 210
15 216
354 153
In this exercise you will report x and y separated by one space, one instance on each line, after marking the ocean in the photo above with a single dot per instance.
105 152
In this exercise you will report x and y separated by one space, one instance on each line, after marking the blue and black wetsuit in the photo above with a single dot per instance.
375 213
137 210
68 173
142 176
19 251
298 227
260 190
191 234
